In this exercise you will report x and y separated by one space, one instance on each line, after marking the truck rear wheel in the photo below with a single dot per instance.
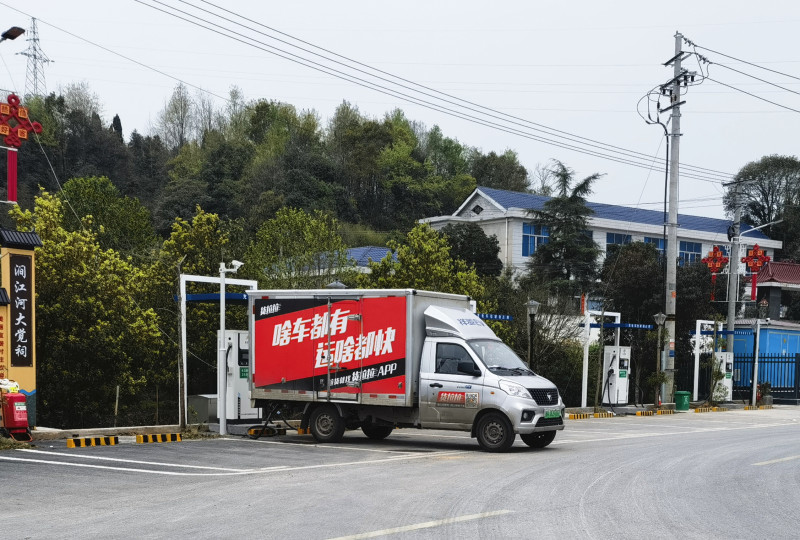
326 424
376 432
538 440
494 433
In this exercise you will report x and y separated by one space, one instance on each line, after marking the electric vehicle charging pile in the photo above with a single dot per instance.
616 374
725 365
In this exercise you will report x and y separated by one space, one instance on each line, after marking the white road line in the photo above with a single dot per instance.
343 446
425 525
779 460
236 473
157 463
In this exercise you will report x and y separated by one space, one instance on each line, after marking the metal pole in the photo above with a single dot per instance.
672 226
733 267
585 371
755 361
222 367
184 396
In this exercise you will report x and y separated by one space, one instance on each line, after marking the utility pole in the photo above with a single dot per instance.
672 225
733 266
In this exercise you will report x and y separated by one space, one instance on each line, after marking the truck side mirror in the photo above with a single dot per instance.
468 367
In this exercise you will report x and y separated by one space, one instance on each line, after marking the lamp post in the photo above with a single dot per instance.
222 355
757 330
533 309
660 319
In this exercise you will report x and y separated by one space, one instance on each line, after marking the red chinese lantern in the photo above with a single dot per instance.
715 261
755 260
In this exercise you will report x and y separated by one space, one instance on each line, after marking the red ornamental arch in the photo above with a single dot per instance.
15 127
716 261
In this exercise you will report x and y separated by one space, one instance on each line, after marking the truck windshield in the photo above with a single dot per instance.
498 357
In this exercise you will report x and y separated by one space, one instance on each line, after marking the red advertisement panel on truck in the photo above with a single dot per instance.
359 344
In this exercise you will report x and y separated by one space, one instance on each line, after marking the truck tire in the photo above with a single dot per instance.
538 440
376 432
326 424
494 432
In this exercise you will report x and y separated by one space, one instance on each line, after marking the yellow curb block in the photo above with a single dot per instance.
301 431
751 407
92 441
764 407
603 415
720 409
158 438
665 411
269 431
703 409
644 413
578 416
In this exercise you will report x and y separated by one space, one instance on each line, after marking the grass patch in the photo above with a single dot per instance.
11 444
197 431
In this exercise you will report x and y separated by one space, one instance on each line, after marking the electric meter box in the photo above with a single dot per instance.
725 365
616 374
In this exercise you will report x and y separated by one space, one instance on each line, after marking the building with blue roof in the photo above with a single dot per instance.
507 215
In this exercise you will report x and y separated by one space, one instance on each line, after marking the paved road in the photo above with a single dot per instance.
714 475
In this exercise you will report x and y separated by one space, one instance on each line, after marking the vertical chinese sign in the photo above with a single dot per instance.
18 324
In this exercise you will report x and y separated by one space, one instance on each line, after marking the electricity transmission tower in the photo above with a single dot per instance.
34 79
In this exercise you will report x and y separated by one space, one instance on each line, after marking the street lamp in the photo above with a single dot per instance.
757 331
660 319
222 355
12 33
533 309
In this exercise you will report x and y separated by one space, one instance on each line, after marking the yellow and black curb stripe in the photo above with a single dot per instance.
703 409
578 416
603 415
268 431
665 411
158 438
83 442
757 407
761 407
644 413
720 409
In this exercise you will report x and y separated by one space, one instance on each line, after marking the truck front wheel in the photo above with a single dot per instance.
538 440
494 433
326 424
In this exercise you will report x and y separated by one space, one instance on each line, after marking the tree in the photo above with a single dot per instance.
423 261
469 243
92 334
568 261
299 250
176 120
120 223
502 171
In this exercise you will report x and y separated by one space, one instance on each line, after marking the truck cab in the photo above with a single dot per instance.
471 381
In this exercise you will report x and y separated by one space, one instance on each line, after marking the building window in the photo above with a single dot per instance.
689 252
617 239
533 236
477 209
659 243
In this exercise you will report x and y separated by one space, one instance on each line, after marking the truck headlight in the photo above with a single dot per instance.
514 389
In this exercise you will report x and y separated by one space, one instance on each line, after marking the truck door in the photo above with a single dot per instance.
337 367
451 385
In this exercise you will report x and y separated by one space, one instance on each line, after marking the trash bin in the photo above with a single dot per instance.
682 401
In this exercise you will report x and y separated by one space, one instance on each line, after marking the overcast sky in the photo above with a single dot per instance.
542 69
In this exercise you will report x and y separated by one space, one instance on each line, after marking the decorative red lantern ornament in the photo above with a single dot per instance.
756 258
15 126
715 261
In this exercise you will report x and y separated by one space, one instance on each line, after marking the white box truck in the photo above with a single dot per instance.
380 359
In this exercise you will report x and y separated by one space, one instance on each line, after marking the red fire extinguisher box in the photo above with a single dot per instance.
14 415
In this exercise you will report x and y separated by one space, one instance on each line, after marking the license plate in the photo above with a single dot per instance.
552 413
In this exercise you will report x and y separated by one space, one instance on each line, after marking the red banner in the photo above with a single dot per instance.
358 345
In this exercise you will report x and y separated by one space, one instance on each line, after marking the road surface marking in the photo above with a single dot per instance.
158 463
425 525
779 460
235 473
